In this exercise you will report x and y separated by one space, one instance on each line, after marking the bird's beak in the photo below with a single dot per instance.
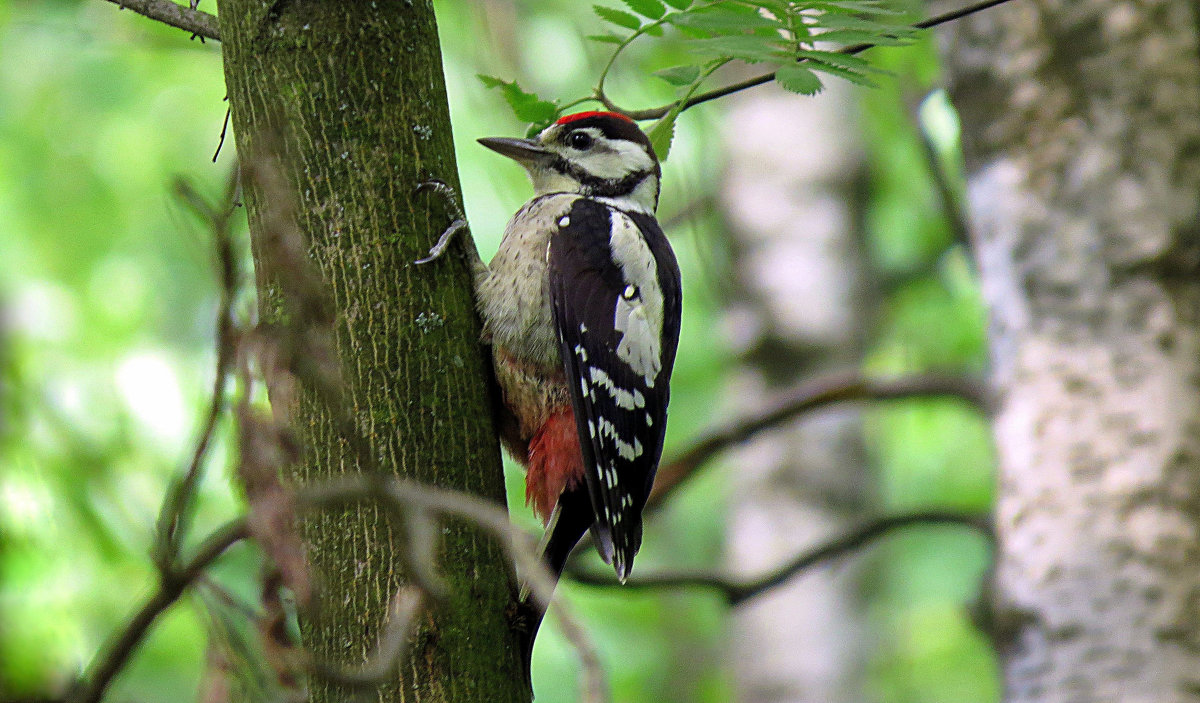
524 151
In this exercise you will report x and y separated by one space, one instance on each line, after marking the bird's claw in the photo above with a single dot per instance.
443 241
452 206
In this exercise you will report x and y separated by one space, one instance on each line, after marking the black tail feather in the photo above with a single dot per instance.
574 517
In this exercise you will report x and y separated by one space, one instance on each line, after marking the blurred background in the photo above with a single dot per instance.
816 234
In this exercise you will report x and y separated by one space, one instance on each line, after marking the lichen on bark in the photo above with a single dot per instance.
1081 126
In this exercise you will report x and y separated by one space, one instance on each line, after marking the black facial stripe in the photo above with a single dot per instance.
604 187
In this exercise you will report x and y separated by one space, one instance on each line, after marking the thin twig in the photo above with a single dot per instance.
657 112
171 585
811 396
224 129
176 511
738 591
200 24
943 183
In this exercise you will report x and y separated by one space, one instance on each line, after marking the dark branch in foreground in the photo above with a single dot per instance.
174 574
200 24
176 512
810 396
657 112
737 592
171 585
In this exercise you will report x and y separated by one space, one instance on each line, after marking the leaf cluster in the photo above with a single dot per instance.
792 37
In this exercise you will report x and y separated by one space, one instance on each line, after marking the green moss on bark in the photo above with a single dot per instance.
351 94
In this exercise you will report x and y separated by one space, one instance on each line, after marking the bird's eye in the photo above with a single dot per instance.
579 140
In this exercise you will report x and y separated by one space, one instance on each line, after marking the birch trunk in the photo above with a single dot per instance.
1081 126
789 196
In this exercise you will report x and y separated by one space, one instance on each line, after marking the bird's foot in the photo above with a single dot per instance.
458 224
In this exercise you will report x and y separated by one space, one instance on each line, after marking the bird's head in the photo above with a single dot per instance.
598 154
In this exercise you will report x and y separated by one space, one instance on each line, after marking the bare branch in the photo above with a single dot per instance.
175 514
657 112
200 24
171 585
806 397
737 592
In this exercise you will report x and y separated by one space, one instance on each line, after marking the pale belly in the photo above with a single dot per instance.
514 302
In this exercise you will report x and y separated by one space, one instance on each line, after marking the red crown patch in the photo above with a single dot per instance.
566 119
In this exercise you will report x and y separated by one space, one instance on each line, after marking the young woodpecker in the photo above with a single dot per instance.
581 305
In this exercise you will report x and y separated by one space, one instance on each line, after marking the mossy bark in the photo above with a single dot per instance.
351 99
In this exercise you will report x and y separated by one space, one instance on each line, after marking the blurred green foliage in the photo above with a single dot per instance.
109 298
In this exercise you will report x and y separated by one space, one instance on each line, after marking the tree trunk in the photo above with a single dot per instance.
789 195
1081 125
350 97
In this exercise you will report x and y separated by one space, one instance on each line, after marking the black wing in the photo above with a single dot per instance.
614 285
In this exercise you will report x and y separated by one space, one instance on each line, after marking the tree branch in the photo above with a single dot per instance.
737 592
810 396
176 512
657 112
171 585
200 24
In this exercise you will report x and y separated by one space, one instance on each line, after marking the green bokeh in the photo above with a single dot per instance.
107 351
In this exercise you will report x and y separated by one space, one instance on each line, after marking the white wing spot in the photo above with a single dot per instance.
626 400
564 221
581 352
630 292
640 319
625 450
592 429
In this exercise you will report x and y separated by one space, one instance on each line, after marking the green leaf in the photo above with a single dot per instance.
847 61
856 7
679 75
617 17
662 133
647 8
779 8
742 46
798 79
853 76
528 107
883 30
724 19
853 36
679 4
606 38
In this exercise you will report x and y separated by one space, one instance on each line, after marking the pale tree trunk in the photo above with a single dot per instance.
1081 125
789 196
349 98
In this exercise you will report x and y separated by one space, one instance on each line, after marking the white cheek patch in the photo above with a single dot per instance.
639 319
616 161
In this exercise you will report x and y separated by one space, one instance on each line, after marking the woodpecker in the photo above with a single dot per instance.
581 306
